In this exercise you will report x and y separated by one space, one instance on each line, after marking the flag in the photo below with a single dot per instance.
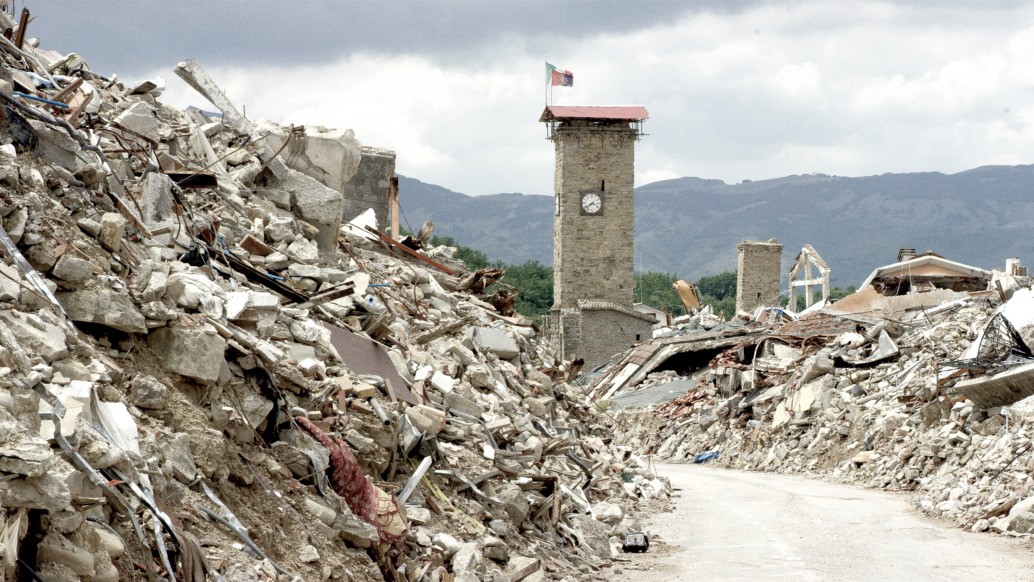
557 78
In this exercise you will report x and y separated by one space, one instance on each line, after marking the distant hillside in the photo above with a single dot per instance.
512 227
691 226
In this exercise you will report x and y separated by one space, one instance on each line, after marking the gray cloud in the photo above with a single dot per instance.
754 90
128 36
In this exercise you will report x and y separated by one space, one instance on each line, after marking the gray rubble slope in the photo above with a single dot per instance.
170 301
905 423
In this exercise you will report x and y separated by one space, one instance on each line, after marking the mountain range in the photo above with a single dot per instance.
691 226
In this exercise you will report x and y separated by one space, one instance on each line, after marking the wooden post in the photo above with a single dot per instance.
393 206
23 22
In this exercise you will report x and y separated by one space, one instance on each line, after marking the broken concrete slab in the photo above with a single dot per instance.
317 204
331 156
41 338
1001 389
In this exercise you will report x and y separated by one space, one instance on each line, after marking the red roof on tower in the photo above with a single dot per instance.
623 112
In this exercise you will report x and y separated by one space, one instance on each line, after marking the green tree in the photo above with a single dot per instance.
719 291
718 286
534 284
654 289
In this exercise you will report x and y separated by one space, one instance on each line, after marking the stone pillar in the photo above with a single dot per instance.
757 274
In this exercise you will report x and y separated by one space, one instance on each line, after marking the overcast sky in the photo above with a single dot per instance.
735 90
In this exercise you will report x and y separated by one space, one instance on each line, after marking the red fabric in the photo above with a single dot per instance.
358 492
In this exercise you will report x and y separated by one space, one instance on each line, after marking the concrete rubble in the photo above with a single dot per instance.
936 399
201 365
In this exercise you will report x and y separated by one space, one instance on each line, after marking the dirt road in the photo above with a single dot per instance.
734 525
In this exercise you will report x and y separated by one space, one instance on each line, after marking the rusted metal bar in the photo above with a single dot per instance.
290 133
393 205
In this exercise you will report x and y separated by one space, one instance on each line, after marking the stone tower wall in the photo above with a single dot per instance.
592 254
757 274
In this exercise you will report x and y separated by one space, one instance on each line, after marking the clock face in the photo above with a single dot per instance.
592 203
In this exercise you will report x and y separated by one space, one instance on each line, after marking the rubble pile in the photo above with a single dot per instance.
937 402
702 319
205 374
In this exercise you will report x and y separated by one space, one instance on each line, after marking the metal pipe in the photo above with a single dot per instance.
379 410
40 99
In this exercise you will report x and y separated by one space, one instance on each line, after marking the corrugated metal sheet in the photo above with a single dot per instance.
630 112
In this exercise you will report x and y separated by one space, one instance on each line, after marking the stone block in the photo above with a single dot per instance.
447 543
463 405
318 205
418 515
609 513
139 118
495 341
57 549
194 353
156 201
72 269
112 228
514 502
177 451
10 290
356 532
46 492
468 563
148 393
279 229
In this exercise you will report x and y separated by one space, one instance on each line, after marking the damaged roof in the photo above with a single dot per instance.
929 265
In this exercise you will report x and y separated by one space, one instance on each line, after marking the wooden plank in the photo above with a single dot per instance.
339 291
447 328
411 252
526 571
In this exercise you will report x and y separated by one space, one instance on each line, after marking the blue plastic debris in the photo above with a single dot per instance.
704 457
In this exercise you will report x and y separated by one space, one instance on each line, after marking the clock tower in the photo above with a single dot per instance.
592 316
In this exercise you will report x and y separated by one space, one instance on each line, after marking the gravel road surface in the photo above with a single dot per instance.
736 525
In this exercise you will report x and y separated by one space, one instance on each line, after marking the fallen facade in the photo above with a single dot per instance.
207 374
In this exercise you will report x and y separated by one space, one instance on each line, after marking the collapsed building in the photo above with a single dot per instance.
207 374
921 381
